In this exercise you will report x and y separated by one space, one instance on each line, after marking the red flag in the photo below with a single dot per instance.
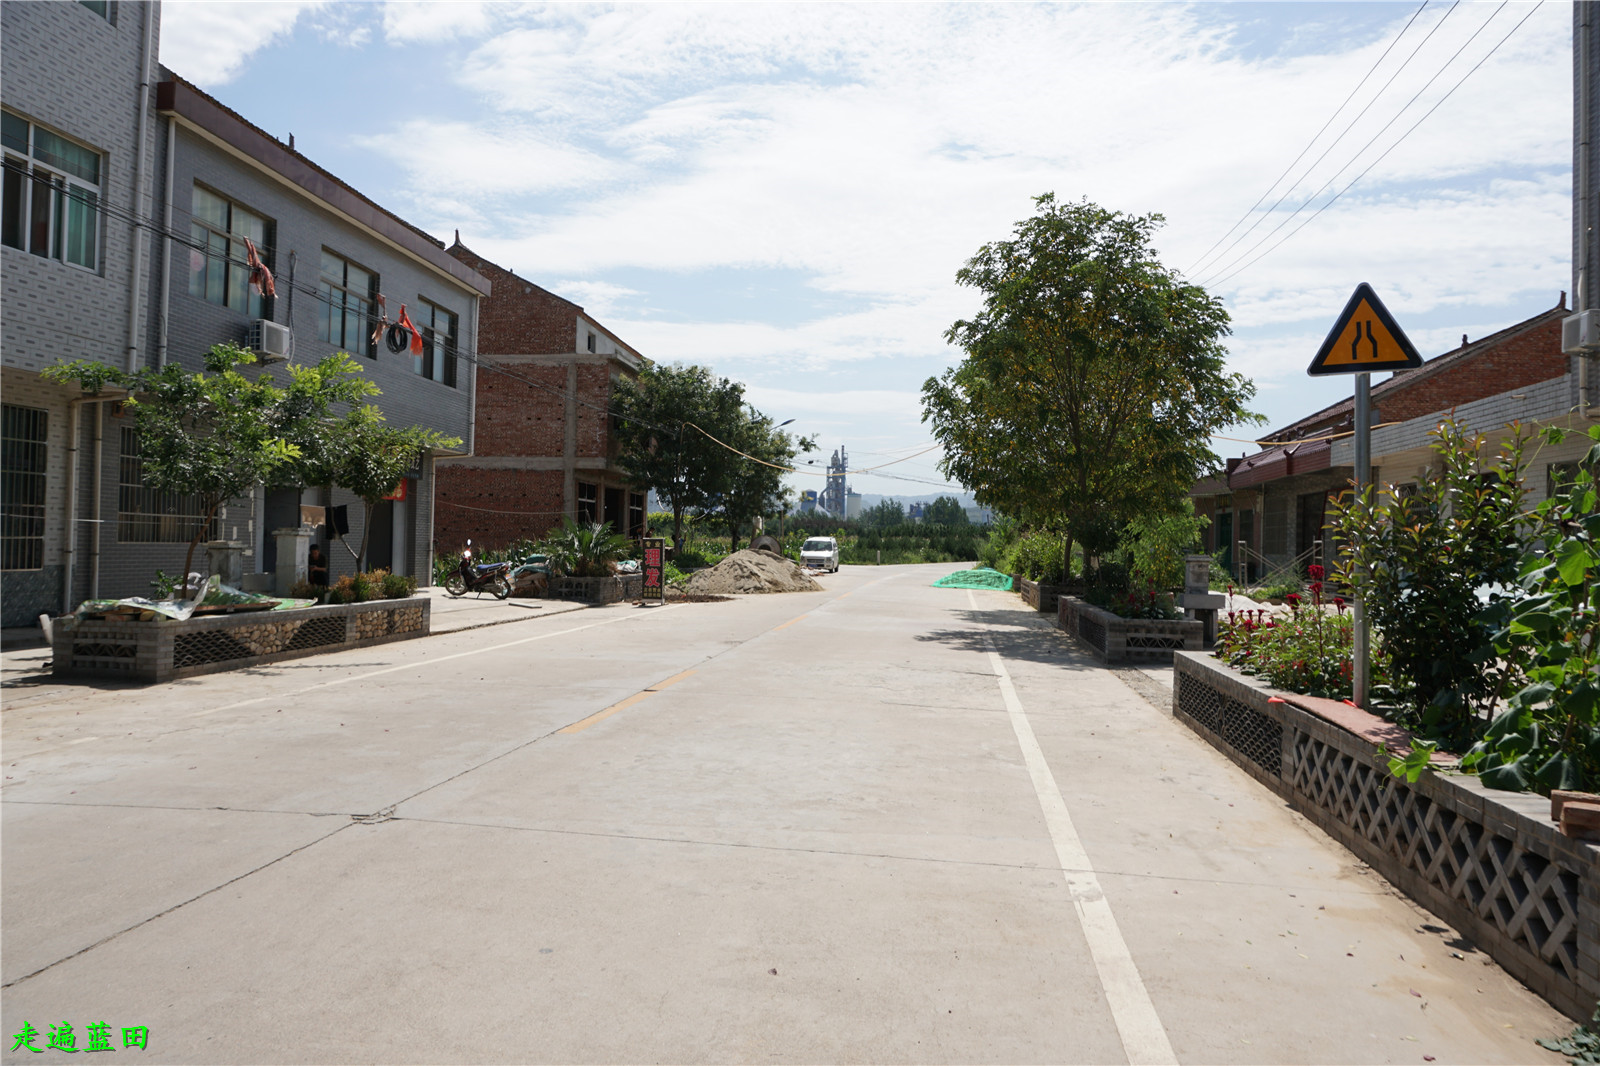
416 334
260 276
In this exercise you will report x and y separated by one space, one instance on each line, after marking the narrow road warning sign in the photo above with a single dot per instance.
1365 339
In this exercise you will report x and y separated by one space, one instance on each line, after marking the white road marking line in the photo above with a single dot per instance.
1144 1039
82 740
429 661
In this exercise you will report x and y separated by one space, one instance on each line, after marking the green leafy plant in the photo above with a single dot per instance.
1153 545
1548 735
1037 556
397 586
584 549
1581 1046
1432 566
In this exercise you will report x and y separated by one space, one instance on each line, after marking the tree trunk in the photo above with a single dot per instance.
188 560
1066 561
733 534
677 529
366 531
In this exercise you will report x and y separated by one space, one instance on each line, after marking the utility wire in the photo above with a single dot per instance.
1389 149
1336 111
1220 274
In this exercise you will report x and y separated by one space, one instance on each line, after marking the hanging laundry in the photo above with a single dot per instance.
416 334
383 320
260 276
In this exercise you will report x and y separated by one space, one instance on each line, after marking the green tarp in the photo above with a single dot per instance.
979 578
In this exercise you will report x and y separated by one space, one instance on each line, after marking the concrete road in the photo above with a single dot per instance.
879 823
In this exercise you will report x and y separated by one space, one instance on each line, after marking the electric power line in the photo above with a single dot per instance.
1346 102
1223 273
1391 148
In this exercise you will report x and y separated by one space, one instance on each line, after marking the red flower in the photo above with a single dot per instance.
1316 572
1293 600
1316 588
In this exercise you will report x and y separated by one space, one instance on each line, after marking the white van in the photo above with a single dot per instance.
820 553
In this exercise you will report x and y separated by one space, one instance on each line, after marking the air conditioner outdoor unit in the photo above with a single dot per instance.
1580 333
269 340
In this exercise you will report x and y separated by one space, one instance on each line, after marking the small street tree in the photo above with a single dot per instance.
754 485
883 514
371 457
217 433
1092 378
681 430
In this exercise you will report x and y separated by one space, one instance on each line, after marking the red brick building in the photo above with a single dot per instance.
1275 500
543 443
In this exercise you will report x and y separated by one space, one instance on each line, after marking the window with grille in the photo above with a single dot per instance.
218 271
51 194
145 516
588 502
23 435
438 359
344 312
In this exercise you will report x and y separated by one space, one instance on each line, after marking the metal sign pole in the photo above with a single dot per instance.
1360 657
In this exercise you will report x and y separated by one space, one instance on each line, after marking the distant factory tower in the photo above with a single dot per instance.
833 497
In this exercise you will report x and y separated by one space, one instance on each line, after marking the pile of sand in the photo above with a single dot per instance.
751 571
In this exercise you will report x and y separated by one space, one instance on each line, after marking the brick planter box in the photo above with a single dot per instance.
1044 598
1115 639
1490 863
611 589
166 650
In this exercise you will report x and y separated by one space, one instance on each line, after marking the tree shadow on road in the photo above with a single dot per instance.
1017 635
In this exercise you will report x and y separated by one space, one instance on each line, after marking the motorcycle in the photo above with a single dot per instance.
479 577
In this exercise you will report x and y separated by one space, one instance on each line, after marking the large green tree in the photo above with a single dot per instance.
681 430
1092 378
219 432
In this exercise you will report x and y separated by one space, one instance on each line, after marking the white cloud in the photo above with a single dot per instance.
210 42
478 162
413 21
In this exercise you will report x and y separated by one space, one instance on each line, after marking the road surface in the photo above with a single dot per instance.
879 823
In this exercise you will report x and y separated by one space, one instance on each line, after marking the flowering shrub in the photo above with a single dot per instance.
1147 604
1308 651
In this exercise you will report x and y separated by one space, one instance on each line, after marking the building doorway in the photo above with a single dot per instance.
380 537
1225 540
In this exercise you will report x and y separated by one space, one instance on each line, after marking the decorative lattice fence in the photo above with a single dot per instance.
1490 863
165 650
1115 639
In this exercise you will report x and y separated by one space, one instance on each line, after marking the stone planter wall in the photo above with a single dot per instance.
598 589
1115 639
1490 863
1044 598
166 650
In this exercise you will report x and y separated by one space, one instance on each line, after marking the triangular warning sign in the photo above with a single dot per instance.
1364 339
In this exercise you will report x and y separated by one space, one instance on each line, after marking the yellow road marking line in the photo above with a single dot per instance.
600 716
790 622
673 680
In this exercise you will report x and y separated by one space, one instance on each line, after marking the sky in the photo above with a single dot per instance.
784 193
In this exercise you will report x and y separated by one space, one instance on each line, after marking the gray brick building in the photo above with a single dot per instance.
209 180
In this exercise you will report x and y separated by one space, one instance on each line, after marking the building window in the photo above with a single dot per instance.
99 7
145 516
22 486
591 342
588 502
218 271
345 310
438 359
52 194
